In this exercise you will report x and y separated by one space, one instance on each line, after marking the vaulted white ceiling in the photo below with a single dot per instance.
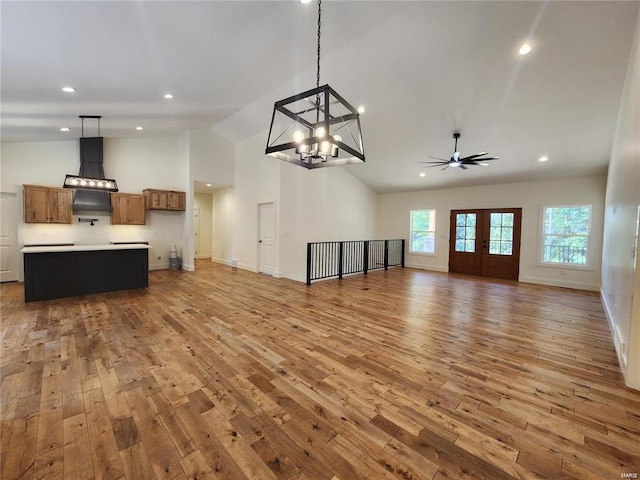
422 70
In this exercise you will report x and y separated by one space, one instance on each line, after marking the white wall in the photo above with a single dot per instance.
223 225
257 180
326 204
211 158
620 264
135 163
393 222
316 205
204 203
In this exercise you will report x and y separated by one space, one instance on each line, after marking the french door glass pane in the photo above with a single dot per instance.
501 233
465 232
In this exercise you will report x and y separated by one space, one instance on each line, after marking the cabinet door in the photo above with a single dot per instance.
36 204
158 200
177 201
137 210
60 205
120 209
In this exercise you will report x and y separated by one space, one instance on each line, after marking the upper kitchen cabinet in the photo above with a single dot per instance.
165 200
47 204
128 209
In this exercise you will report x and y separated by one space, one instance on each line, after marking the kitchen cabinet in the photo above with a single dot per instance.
128 209
165 200
47 204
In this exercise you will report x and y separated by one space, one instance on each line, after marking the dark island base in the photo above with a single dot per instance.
67 274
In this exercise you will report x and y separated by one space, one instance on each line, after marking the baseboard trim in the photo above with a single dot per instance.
615 335
433 268
560 283
159 266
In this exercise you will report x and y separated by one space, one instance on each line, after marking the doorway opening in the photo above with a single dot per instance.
486 242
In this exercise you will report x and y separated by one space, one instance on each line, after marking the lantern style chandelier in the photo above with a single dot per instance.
317 128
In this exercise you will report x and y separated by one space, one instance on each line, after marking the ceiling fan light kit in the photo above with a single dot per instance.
317 128
456 162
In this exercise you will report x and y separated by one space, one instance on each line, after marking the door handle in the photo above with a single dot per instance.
484 244
259 241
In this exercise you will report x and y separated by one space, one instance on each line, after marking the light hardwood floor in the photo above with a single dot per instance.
225 374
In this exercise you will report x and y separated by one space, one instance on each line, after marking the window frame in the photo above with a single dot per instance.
411 230
589 238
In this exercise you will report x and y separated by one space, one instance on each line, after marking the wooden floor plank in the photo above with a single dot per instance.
401 374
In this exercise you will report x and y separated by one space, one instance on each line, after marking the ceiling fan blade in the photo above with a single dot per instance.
438 158
479 162
439 163
445 167
473 156
462 166
469 162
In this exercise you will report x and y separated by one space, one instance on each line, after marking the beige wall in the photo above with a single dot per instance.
204 203
620 265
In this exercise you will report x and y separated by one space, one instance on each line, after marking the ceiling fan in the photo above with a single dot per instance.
456 161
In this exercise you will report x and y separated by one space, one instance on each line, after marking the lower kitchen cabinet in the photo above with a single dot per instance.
66 274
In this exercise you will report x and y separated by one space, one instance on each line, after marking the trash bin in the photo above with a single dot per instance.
174 263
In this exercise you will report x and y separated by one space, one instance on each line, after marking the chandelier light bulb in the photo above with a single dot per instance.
320 132
298 136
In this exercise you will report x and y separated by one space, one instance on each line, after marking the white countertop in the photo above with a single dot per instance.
83 248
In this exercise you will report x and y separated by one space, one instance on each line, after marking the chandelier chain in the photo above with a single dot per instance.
319 25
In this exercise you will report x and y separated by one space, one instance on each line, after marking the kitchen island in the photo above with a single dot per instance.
70 270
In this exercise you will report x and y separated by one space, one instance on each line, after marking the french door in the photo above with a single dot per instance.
486 242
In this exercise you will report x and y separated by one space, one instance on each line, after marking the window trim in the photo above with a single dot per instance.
588 266
415 252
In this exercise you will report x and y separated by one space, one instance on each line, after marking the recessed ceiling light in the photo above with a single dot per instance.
68 89
524 49
305 1
423 174
209 185
139 128
360 109
543 159
168 96
65 129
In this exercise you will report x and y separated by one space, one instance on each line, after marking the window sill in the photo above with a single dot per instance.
567 266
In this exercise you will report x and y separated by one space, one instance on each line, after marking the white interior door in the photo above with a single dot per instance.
8 237
267 227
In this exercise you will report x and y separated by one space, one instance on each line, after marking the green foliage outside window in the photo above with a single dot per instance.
566 234
423 231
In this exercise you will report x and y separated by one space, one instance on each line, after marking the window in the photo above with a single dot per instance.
465 232
501 233
423 231
565 237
